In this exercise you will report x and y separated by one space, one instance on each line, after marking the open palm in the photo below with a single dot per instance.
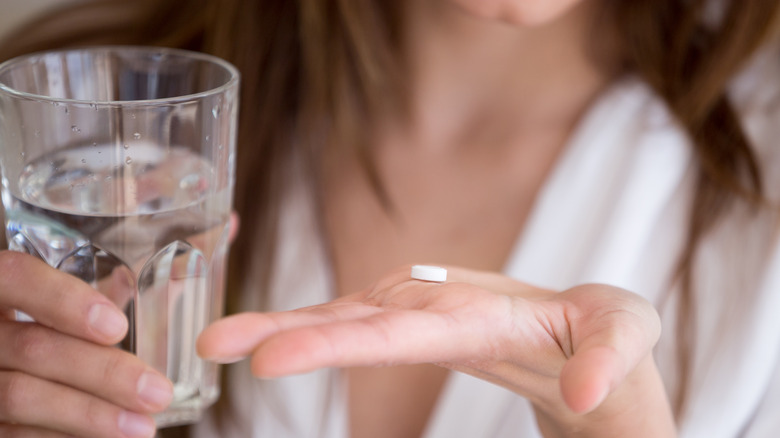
574 346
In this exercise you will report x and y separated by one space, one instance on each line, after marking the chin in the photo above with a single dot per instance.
518 12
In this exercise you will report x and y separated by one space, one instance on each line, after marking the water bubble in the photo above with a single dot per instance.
220 147
137 136
84 160
75 128
94 144
132 116
128 160
67 111
215 111
208 137
93 106
126 146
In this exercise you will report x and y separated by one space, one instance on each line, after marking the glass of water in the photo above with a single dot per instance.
117 166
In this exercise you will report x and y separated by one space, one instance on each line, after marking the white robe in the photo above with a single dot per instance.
613 210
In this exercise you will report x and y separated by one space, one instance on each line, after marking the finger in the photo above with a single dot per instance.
109 373
388 338
233 226
7 314
588 377
118 286
608 345
34 402
235 337
58 300
18 431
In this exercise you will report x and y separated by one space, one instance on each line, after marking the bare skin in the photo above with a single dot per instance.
61 376
582 356
482 198
477 85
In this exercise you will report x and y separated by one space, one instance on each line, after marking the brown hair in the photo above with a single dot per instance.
314 71
688 59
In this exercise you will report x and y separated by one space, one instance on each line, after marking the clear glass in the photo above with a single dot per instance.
117 166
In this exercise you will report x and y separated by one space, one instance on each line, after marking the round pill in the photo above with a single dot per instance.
429 273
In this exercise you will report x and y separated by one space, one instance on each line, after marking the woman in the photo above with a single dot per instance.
566 144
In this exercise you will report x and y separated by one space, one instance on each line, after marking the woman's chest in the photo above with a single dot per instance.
366 241
465 211
464 216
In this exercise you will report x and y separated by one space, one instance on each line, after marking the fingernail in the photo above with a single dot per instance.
134 425
155 390
225 360
107 321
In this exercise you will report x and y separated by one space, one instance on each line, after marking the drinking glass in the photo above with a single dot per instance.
117 166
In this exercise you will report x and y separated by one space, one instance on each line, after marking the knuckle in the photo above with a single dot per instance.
14 393
109 369
13 266
11 261
63 294
33 344
94 414
121 370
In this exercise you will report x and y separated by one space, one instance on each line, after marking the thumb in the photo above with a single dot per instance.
589 376
614 332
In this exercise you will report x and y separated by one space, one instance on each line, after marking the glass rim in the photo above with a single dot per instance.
232 71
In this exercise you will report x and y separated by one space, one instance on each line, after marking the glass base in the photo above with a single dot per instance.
189 411
177 417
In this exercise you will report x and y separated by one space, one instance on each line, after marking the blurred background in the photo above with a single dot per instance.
16 12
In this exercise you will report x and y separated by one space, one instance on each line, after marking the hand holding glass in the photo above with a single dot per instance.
118 167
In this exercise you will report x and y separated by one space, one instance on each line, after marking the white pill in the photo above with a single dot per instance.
429 273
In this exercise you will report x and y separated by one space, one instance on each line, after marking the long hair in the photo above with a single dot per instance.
315 72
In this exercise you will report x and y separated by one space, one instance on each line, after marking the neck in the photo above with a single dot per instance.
469 74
